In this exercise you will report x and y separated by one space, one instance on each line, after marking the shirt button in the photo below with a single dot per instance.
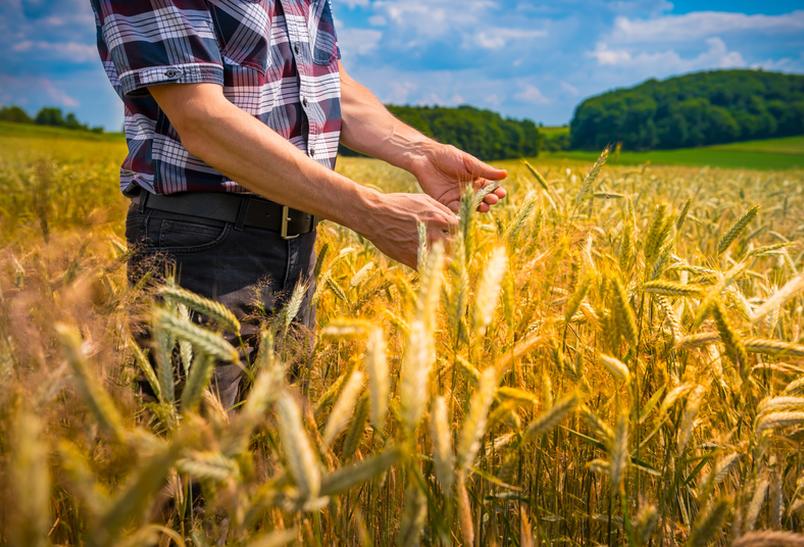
304 102
312 152
296 48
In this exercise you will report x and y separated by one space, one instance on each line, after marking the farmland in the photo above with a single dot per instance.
614 356
767 154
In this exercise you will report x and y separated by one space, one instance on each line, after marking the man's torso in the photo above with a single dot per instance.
276 59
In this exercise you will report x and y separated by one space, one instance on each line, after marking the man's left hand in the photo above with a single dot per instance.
444 171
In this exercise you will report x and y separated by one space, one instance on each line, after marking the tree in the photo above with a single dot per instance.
693 110
50 116
14 114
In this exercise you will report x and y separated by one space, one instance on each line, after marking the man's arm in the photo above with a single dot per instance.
442 170
249 152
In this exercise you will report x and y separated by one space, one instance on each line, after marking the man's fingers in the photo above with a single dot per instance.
491 199
500 192
446 209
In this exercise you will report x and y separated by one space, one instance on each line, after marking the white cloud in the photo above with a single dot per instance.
497 38
529 93
700 24
435 97
569 88
358 41
72 51
400 91
436 18
351 4
717 55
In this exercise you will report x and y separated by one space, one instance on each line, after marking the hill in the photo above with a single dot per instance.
693 110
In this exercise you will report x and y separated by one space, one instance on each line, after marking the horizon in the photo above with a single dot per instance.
529 61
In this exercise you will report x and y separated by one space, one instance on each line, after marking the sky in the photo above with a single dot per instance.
522 58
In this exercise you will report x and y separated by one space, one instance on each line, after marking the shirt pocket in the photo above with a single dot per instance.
243 30
325 40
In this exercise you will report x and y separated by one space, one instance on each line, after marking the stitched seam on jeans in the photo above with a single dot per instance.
227 229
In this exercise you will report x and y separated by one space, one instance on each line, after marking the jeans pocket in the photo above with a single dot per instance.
185 236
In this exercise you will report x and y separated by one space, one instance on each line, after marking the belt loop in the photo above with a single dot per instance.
143 197
242 209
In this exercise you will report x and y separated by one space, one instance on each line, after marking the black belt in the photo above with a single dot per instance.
239 209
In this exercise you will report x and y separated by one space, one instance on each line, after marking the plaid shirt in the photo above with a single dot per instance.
276 60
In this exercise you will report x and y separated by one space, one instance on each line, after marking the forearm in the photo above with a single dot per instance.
369 128
247 151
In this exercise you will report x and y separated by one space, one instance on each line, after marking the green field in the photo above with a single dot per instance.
769 154
554 130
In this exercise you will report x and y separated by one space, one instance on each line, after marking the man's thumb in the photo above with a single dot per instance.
483 169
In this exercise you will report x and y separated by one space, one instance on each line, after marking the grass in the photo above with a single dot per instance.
770 154
9 129
554 130
606 359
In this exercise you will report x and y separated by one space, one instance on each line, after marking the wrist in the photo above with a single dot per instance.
362 210
413 149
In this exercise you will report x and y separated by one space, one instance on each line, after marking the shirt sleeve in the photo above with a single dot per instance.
156 42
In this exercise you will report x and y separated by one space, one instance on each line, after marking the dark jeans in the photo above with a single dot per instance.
250 270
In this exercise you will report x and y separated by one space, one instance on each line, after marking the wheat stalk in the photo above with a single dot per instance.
548 420
205 306
624 316
302 461
670 288
616 368
376 364
780 297
95 396
737 229
442 443
488 290
474 425
205 341
415 373
30 483
344 407
708 523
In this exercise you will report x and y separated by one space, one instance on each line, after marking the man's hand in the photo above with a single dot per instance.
444 171
392 224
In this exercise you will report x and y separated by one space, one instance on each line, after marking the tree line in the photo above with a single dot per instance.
693 110
483 133
49 115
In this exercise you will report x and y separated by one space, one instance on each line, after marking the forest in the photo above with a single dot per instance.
692 110
483 133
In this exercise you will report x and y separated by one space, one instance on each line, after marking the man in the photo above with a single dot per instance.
234 111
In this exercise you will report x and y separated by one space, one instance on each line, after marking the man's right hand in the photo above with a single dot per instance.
391 223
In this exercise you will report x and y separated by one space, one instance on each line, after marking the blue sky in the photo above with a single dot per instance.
522 58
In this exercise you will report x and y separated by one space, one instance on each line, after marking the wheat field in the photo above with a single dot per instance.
613 356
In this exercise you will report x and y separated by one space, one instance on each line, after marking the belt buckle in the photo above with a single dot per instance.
285 219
